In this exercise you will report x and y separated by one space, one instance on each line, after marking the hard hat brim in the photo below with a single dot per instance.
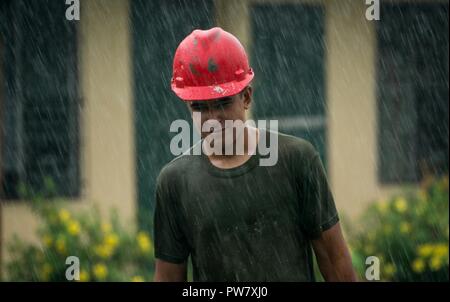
205 93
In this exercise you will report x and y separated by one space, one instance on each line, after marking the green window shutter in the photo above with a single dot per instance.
412 77
42 103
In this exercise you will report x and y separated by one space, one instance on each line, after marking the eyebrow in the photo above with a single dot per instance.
200 104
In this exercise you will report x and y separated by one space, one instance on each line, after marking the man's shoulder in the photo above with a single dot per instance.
179 165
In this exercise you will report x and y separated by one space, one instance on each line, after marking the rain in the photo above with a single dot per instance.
87 169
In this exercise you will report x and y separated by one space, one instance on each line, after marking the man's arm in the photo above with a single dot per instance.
333 256
170 272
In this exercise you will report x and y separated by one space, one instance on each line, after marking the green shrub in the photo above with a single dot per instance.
106 250
408 233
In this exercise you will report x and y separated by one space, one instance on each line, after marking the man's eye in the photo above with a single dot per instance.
224 104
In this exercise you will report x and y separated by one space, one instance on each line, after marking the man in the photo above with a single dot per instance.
237 219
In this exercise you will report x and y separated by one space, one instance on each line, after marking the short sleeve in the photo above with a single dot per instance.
170 241
318 211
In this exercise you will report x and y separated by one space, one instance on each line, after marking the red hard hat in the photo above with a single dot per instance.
210 64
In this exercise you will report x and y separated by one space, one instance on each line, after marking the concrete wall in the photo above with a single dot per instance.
351 101
106 78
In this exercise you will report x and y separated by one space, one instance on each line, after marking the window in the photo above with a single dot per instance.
412 92
40 102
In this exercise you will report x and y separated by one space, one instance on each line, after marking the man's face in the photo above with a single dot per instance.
229 108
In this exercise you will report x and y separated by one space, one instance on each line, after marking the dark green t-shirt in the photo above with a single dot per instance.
249 223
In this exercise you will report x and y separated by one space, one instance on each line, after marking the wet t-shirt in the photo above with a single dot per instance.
249 223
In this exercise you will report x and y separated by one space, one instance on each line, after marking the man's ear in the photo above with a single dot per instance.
248 93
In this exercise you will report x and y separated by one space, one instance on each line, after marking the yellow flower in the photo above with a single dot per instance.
46 271
106 249
401 205
440 250
144 242
436 263
383 206
137 279
64 215
106 227
405 228
100 271
103 251
73 227
418 265
47 239
389 270
425 250
60 245
84 276
112 240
